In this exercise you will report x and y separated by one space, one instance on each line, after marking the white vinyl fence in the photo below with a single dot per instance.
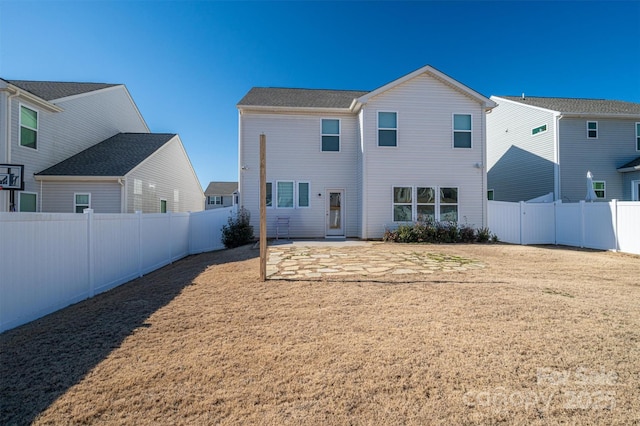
51 260
606 226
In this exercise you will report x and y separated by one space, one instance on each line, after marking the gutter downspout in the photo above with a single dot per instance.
556 157
122 196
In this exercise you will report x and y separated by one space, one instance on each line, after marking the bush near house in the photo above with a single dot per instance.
438 232
238 231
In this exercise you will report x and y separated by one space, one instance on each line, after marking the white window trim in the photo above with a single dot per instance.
75 205
638 136
297 190
213 199
414 201
596 130
434 204
20 125
546 129
20 193
378 128
604 190
339 135
453 130
274 194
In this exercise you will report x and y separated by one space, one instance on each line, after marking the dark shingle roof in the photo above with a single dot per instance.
221 188
50 90
299 98
630 164
115 156
578 105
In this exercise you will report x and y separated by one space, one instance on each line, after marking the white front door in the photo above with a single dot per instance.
335 212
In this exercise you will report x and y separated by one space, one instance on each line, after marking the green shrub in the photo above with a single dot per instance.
438 232
237 231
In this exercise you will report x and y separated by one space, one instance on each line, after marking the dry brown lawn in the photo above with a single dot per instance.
541 335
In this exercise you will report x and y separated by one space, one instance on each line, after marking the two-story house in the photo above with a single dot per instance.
538 146
86 145
352 163
221 194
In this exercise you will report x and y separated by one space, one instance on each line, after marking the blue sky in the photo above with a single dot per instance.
188 63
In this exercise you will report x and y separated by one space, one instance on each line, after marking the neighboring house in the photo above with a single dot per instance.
221 194
87 145
538 146
352 163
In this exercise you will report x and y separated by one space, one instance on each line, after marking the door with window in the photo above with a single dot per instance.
335 212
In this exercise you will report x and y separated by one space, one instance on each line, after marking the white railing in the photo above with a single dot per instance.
606 226
51 260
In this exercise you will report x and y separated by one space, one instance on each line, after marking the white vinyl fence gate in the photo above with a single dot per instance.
51 260
606 226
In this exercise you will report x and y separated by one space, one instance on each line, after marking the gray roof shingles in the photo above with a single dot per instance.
115 156
632 163
299 98
50 90
221 188
579 105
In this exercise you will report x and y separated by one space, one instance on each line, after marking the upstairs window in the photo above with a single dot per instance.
462 130
330 135
538 130
592 129
163 206
637 136
81 202
387 129
599 187
28 127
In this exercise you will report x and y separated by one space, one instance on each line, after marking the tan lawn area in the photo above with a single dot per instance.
536 335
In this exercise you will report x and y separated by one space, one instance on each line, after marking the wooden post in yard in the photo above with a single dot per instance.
263 207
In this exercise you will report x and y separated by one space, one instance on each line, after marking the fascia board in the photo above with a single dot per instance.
629 169
35 100
66 178
252 108
499 99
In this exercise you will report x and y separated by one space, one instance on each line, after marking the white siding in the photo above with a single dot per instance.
614 147
520 165
424 155
294 153
85 121
58 197
167 174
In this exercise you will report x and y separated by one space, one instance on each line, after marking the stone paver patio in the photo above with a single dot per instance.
316 261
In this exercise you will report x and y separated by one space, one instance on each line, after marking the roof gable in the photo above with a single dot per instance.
428 69
578 105
51 90
115 156
221 188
